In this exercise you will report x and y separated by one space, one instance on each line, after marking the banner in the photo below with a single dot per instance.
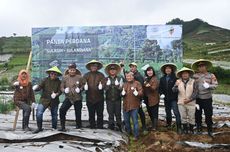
144 44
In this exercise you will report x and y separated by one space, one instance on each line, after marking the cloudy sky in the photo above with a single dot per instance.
19 16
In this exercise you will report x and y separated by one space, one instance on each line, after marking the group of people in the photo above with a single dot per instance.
185 92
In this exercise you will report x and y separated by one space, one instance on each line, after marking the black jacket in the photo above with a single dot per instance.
166 88
138 77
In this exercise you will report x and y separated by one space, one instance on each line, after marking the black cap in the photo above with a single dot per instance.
72 65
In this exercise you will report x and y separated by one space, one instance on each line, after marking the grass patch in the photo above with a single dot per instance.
223 89
6 107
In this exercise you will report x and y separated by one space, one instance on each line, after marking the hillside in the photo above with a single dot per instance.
202 40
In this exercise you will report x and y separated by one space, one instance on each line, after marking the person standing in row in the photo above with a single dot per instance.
113 89
72 85
132 92
206 83
170 98
138 77
50 87
151 95
24 96
94 88
187 92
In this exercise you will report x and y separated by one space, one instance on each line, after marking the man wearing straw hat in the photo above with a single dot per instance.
113 89
72 85
206 82
170 98
187 91
94 88
50 87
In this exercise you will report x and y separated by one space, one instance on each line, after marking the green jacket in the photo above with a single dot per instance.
47 87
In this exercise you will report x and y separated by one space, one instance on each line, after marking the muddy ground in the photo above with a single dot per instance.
167 140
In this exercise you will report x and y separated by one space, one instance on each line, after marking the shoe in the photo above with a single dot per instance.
78 127
62 129
26 129
37 131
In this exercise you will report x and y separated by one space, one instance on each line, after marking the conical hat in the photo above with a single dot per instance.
94 62
195 65
172 65
54 69
179 73
112 65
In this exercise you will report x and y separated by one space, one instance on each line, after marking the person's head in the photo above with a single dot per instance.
150 72
93 67
72 69
202 68
129 76
112 71
168 70
185 75
53 75
53 72
201 65
133 67
23 77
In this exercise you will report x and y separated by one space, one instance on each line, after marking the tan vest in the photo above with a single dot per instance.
185 94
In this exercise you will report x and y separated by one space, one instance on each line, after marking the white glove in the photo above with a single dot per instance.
77 82
35 87
197 107
66 90
205 85
116 82
77 90
86 87
16 83
123 92
100 86
53 95
135 92
33 105
162 96
108 82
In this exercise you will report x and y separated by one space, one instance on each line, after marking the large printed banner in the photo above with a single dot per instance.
144 44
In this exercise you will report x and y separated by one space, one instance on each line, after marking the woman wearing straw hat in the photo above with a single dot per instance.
72 85
94 88
113 89
206 82
187 91
50 87
24 96
170 98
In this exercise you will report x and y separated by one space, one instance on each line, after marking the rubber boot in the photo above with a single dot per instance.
26 123
111 126
210 130
178 129
39 129
119 127
191 128
185 128
62 126
199 129
154 124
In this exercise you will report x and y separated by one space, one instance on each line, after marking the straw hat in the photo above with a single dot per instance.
172 65
195 65
54 69
179 73
99 64
112 66
133 63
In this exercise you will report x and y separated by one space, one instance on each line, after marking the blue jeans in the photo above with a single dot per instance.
134 115
39 115
172 105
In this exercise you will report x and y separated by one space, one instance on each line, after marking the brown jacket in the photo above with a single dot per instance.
24 94
72 83
93 94
151 92
130 101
